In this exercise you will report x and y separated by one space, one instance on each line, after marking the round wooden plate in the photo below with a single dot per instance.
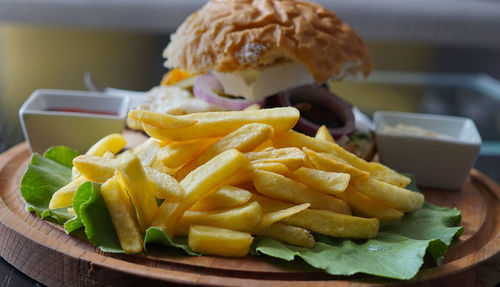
44 252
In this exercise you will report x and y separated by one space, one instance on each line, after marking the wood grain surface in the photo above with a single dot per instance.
43 250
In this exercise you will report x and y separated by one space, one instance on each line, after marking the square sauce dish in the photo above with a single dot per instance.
76 119
439 150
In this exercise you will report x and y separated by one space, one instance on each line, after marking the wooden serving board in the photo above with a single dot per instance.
43 250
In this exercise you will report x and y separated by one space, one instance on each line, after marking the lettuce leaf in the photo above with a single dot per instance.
44 176
397 251
95 217
155 235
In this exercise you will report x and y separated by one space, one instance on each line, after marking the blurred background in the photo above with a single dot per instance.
434 56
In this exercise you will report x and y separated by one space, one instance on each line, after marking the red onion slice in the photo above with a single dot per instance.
320 97
205 87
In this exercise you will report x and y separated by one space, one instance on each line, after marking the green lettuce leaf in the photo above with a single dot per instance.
61 154
95 217
397 251
44 176
155 235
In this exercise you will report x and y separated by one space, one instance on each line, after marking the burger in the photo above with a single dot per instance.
234 53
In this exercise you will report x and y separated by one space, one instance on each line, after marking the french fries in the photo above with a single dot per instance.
324 134
196 184
122 215
335 224
327 182
222 177
219 241
244 218
224 197
218 124
244 139
378 171
132 175
290 234
279 187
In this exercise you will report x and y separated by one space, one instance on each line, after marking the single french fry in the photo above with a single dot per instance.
365 206
246 175
289 234
243 218
219 241
279 187
176 154
270 204
276 167
122 216
253 107
197 183
335 224
272 217
244 139
265 145
63 197
132 175
94 168
219 124
161 120
324 134
224 197
378 171
324 181
397 197
325 163
158 165
113 143
293 157
164 186
147 151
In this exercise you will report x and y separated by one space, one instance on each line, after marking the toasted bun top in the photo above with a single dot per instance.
233 35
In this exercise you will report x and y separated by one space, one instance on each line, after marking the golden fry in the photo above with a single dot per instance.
335 224
219 241
164 186
94 168
397 197
224 197
133 177
197 183
380 172
293 158
243 218
219 124
365 206
244 139
123 216
63 197
290 234
176 154
324 134
160 120
324 181
277 186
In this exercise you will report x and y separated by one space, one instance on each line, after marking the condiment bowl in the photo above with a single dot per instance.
442 161
76 119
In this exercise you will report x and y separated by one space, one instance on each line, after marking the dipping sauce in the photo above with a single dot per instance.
83 111
402 129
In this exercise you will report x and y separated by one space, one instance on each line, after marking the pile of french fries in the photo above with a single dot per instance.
222 177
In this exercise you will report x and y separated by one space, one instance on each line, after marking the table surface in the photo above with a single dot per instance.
490 270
